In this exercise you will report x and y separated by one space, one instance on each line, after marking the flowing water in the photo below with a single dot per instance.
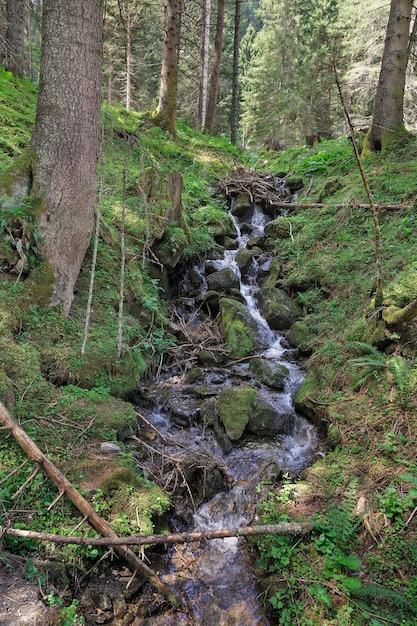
217 577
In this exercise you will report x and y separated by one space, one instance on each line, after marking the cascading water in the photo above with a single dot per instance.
216 577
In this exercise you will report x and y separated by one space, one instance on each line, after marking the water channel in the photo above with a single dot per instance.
219 478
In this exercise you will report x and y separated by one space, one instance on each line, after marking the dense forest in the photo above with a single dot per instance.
137 143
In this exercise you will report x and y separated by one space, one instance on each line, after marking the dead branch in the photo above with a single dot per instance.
287 528
95 520
259 186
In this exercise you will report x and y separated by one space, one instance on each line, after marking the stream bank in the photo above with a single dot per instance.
220 420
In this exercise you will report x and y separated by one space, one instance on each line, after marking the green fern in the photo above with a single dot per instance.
372 361
381 595
400 369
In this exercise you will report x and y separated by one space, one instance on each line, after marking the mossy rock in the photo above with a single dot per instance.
134 502
299 336
279 228
244 259
294 183
270 273
237 327
169 250
279 310
241 204
265 420
302 396
271 374
403 290
112 418
235 406
223 281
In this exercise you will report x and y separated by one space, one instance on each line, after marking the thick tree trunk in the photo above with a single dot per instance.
16 16
388 113
169 70
65 138
215 74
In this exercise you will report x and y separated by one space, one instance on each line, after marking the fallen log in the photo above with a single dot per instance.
287 528
93 518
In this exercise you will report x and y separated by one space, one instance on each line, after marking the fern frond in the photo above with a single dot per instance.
400 369
382 595
366 348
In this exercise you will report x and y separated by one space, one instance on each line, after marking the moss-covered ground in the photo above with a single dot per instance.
360 567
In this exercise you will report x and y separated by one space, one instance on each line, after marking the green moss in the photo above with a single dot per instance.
237 328
235 407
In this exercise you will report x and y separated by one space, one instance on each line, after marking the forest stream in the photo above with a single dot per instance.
218 474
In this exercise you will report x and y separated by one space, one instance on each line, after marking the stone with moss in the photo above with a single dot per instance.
237 327
308 389
279 228
170 249
299 336
279 310
223 281
271 374
265 420
244 259
235 406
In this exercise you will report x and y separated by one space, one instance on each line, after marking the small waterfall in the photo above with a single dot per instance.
217 576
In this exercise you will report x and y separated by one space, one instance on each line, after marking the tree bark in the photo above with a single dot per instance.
93 518
66 136
169 69
285 528
16 16
388 113
205 46
235 79
215 74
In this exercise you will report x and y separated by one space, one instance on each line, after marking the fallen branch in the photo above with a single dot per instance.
95 520
355 205
287 528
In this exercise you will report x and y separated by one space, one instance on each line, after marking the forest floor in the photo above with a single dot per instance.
361 567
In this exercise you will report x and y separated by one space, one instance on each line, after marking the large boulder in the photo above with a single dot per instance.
279 310
237 327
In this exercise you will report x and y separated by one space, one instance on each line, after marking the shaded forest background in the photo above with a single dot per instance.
285 84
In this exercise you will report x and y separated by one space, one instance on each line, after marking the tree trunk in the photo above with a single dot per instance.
215 74
235 80
16 15
66 135
169 70
205 46
388 113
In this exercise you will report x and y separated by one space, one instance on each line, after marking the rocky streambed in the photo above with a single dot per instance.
223 415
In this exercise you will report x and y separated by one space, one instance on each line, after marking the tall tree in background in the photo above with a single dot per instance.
205 50
16 18
234 113
61 182
169 70
215 72
388 112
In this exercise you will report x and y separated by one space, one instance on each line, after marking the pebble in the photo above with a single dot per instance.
108 447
